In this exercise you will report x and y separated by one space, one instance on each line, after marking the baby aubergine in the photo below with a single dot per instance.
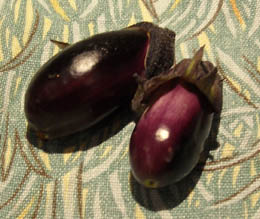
88 80
178 110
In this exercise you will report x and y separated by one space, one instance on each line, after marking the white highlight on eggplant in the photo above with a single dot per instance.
162 134
84 62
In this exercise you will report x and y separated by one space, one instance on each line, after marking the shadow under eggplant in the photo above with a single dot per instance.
91 137
173 195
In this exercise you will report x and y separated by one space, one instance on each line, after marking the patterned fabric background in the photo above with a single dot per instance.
88 174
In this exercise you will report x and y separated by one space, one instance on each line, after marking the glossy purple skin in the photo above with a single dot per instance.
169 137
85 82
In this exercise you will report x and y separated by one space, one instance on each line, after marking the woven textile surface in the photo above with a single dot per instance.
87 175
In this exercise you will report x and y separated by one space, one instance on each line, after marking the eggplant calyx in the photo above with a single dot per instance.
201 74
204 76
160 56
61 45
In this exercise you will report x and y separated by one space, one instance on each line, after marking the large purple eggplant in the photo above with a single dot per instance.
176 115
88 80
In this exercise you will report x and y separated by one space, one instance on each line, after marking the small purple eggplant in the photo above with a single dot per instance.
178 109
88 80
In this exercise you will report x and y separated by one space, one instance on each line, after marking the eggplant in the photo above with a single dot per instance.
176 116
88 80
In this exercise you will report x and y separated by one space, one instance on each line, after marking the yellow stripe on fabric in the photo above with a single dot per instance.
246 210
16 48
68 189
28 20
254 199
8 153
212 28
209 177
46 26
237 131
235 175
197 203
258 63
106 151
237 14
56 50
79 152
234 83
145 13
125 152
45 158
18 82
258 126
66 34
247 94
73 4
84 200
91 28
16 10
26 210
7 35
252 168
228 150
176 2
138 213
132 21
190 197
184 50
204 40
221 175
67 153
59 9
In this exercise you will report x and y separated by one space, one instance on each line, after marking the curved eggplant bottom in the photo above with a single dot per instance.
169 137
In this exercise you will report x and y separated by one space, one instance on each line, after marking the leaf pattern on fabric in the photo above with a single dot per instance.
88 175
